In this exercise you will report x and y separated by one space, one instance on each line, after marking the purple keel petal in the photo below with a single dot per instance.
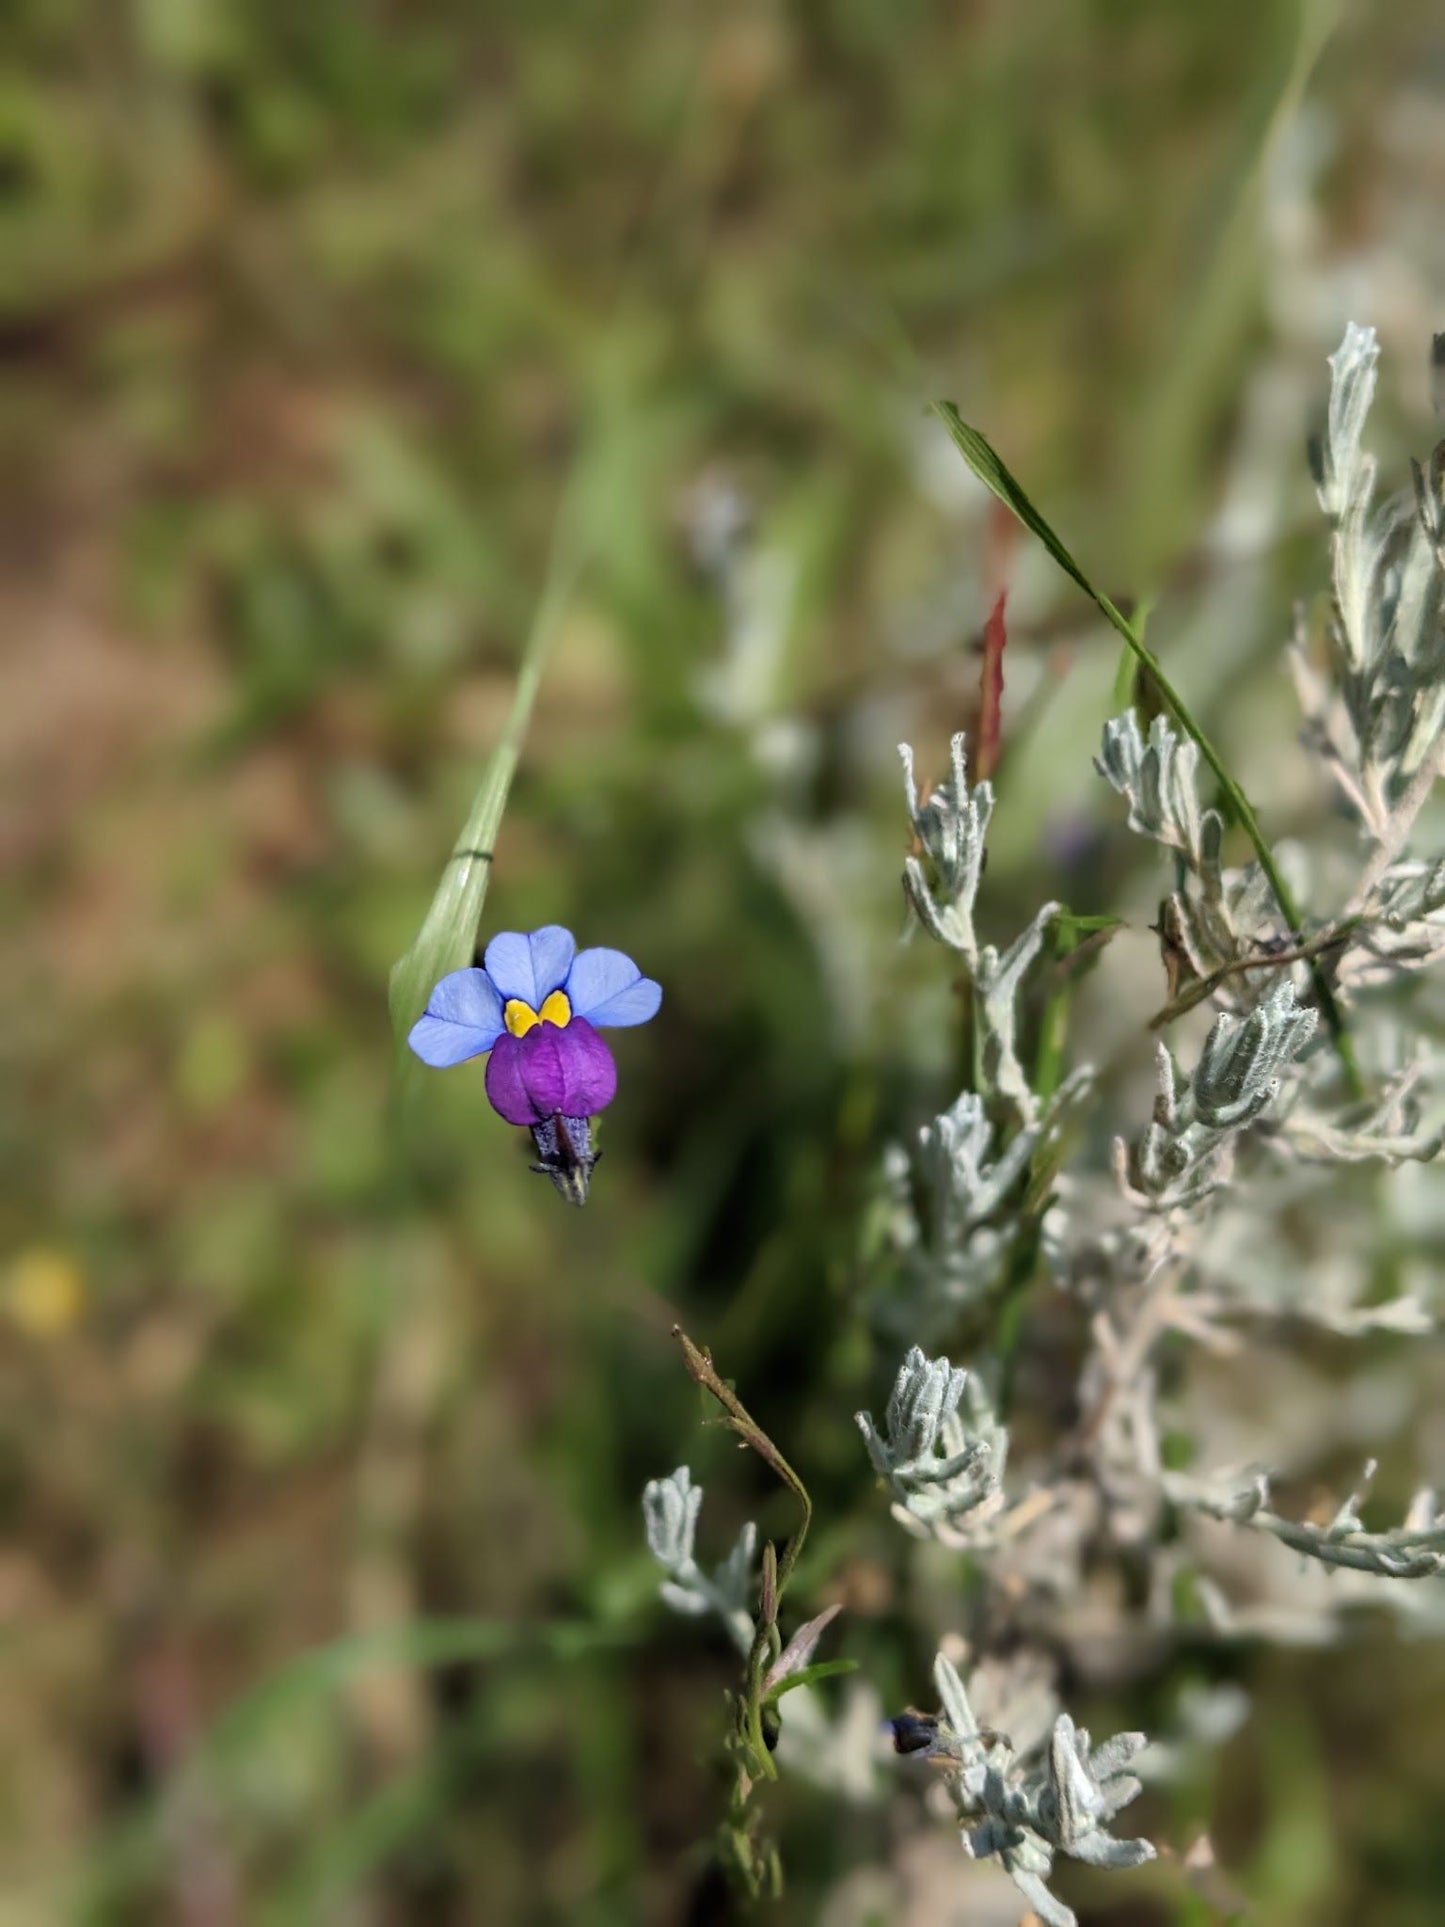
550 1072
463 1019
589 1076
606 987
530 968
506 1086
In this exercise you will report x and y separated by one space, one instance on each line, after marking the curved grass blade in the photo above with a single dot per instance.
991 470
448 935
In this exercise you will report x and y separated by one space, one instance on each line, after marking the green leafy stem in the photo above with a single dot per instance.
777 1568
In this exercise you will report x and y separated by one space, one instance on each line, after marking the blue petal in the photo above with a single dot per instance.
463 1019
606 987
530 967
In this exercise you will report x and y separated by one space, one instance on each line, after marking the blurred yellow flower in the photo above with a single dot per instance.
44 1291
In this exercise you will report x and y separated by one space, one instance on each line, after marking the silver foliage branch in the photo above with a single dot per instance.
1184 1153
670 1509
1025 1812
1217 915
951 825
1377 717
941 885
1415 1549
941 1452
948 1208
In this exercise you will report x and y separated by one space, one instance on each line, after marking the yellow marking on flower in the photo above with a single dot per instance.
557 1010
520 1017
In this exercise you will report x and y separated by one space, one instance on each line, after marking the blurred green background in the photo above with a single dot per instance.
326 329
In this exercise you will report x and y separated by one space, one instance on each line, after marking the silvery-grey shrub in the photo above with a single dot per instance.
1178 1237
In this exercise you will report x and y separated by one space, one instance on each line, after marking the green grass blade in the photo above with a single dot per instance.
448 935
991 470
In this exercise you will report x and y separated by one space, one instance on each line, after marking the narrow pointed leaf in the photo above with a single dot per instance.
991 470
825 1669
448 935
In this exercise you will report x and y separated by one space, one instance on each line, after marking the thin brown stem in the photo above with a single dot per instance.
1204 988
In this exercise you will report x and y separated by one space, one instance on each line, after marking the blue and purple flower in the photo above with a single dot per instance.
536 1005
